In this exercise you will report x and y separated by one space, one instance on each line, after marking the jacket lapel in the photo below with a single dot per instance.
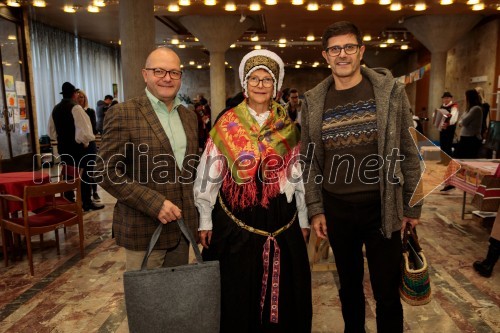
316 110
150 116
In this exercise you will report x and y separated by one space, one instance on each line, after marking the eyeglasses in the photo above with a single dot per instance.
161 73
335 50
254 81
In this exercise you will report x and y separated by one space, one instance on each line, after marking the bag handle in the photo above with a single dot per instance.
410 234
185 232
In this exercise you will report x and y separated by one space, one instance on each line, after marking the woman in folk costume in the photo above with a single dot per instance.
253 217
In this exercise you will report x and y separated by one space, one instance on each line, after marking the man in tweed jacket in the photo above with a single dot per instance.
148 154
361 175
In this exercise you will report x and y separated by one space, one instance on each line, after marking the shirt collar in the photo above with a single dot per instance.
156 101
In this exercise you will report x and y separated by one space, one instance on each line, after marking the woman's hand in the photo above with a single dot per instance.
205 238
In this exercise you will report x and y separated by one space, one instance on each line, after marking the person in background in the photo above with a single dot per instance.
486 112
71 127
471 124
265 278
355 121
148 151
447 130
485 267
102 106
92 148
203 113
294 106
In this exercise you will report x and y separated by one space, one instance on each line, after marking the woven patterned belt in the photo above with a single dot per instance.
275 279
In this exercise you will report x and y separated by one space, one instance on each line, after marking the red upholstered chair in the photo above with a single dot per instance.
49 219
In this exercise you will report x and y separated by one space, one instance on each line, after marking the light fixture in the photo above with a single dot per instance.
184 2
99 3
232 46
254 6
209 2
358 2
119 42
310 38
312 6
254 38
299 62
297 2
383 45
479 6
39 3
11 37
191 62
70 9
446 2
230 7
391 40
297 66
226 63
13 3
93 9
395 6
472 2
281 45
199 66
384 2
173 7
196 39
174 41
404 47
257 47
315 64
182 46
182 66
420 6
367 38
271 2
282 41
337 6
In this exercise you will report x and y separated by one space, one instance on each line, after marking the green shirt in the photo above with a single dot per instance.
172 125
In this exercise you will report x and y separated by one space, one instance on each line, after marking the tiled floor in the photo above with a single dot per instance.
68 294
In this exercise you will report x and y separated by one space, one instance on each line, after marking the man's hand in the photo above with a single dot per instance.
205 238
318 222
169 212
409 220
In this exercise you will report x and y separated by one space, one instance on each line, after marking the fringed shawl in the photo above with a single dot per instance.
247 147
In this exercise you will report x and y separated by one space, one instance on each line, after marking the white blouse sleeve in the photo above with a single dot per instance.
209 177
295 186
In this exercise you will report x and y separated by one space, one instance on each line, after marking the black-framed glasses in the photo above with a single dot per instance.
161 73
254 81
335 50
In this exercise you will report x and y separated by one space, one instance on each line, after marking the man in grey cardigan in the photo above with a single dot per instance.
361 169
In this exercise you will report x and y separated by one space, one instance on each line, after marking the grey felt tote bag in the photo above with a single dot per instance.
182 299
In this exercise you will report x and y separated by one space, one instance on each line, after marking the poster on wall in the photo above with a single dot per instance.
17 116
22 107
115 90
11 99
24 127
8 80
20 88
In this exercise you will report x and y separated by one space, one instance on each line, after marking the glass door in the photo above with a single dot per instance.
15 126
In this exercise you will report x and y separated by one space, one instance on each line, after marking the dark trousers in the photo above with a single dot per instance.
468 147
349 227
446 139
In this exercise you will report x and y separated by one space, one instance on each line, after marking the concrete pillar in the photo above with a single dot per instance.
439 33
233 57
216 33
137 35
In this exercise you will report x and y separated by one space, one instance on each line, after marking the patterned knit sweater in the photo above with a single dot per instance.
349 134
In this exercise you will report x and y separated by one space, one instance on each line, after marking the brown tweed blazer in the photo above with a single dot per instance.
140 171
